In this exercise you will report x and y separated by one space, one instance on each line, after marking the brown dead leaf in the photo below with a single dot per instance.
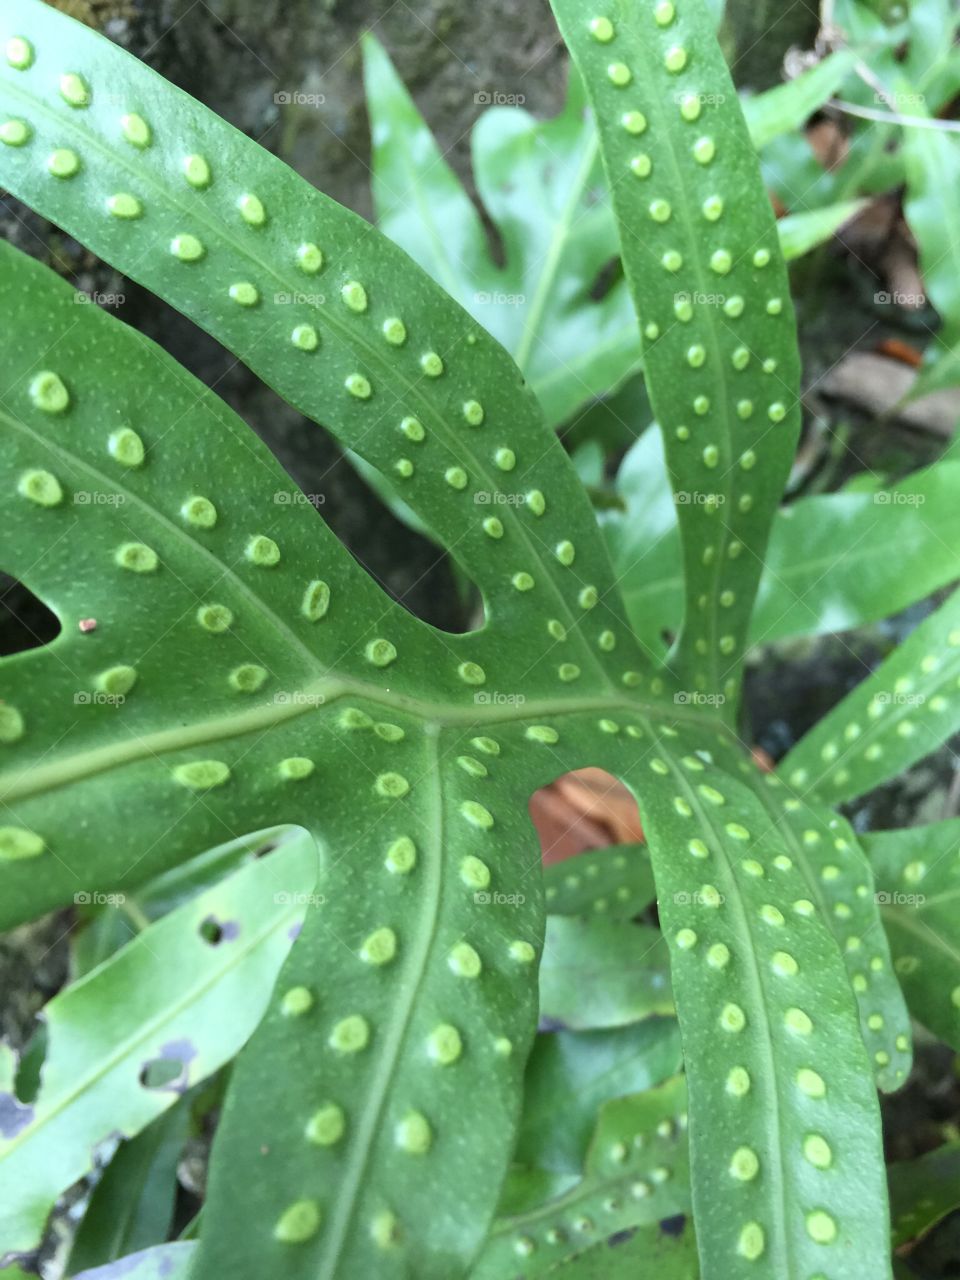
897 349
587 809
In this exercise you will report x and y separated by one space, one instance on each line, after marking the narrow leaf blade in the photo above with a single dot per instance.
702 257
772 1044
898 715
636 1173
615 883
918 876
788 106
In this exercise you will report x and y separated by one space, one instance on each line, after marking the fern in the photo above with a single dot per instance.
225 667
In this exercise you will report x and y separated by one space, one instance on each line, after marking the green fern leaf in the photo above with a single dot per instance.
701 254
409 1000
898 715
917 873
636 1173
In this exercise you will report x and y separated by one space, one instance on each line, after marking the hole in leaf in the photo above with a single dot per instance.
621 1237
164 1073
161 1073
25 621
14 1115
216 931
673 1226
211 931
170 1070
586 809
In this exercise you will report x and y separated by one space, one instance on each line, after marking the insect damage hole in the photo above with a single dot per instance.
214 931
169 1069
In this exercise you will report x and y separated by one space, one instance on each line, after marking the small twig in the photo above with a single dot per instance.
826 14
893 117
830 37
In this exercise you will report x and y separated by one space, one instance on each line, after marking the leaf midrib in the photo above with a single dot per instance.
370 1122
450 281
821 898
627 335
938 900
551 259
623 338
772 1118
306 700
